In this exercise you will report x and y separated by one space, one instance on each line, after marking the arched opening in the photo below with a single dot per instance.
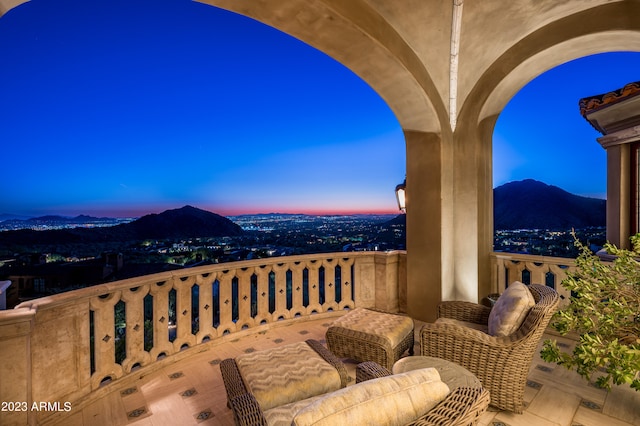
590 32
222 112
541 145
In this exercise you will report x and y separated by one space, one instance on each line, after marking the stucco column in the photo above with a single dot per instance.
618 195
424 224
484 186
471 210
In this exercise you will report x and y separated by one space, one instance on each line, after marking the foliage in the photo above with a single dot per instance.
604 313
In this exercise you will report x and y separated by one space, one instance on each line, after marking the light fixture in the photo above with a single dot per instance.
401 196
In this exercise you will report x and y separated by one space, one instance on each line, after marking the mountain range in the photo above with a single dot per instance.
526 204
530 204
179 223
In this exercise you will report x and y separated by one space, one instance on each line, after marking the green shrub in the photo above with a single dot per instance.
604 313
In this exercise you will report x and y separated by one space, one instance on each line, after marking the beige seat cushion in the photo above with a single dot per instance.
454 375
394 328
282 415
510 310
286 374
393 400
480 327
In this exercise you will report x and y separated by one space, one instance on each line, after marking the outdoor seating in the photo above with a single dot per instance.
368 335
417 397
283 374
463 406
498 354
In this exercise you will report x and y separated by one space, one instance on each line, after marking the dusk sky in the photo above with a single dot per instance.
123 108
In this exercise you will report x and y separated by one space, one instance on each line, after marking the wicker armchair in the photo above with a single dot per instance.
462 407
501 363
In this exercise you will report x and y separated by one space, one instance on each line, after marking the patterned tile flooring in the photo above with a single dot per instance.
191 392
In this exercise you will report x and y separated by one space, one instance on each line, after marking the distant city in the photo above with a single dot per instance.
49 223
53 265
286 234
44 268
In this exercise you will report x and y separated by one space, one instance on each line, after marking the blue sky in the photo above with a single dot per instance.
123 108
541 135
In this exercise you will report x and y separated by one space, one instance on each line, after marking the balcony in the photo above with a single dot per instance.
145 350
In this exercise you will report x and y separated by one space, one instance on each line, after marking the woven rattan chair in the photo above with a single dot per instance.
462 407
501 363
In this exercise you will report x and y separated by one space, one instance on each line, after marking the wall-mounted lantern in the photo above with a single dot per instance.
401 196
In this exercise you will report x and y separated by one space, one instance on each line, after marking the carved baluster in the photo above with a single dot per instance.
205 311
346 282
226 302
262 291
184 335
133 298
281 311
314 286
297 297
161 343
244 298
330 301
518 268
560 274
104 339
538 272
499 275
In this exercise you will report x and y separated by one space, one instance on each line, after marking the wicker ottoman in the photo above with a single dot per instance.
366 335
283 374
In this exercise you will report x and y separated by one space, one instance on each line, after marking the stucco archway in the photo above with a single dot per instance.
446 69
601 29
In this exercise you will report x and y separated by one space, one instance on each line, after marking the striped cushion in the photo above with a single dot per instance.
286 374
282 415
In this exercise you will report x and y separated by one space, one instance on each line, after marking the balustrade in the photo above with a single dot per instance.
528 269
69 347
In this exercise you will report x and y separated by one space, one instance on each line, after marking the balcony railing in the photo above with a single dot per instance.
67 348
550 271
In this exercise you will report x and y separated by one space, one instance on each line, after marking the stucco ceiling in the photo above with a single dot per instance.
432 73
403 49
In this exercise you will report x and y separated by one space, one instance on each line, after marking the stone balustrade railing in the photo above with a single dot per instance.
69 349
550 271
72 347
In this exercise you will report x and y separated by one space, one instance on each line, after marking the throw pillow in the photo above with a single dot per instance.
510 310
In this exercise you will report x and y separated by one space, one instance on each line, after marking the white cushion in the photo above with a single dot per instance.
510 310
393 400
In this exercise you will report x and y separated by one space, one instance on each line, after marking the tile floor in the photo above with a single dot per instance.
191 392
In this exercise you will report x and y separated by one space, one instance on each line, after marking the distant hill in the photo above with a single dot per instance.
529 204
186 222
54 218
401 220
8 216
